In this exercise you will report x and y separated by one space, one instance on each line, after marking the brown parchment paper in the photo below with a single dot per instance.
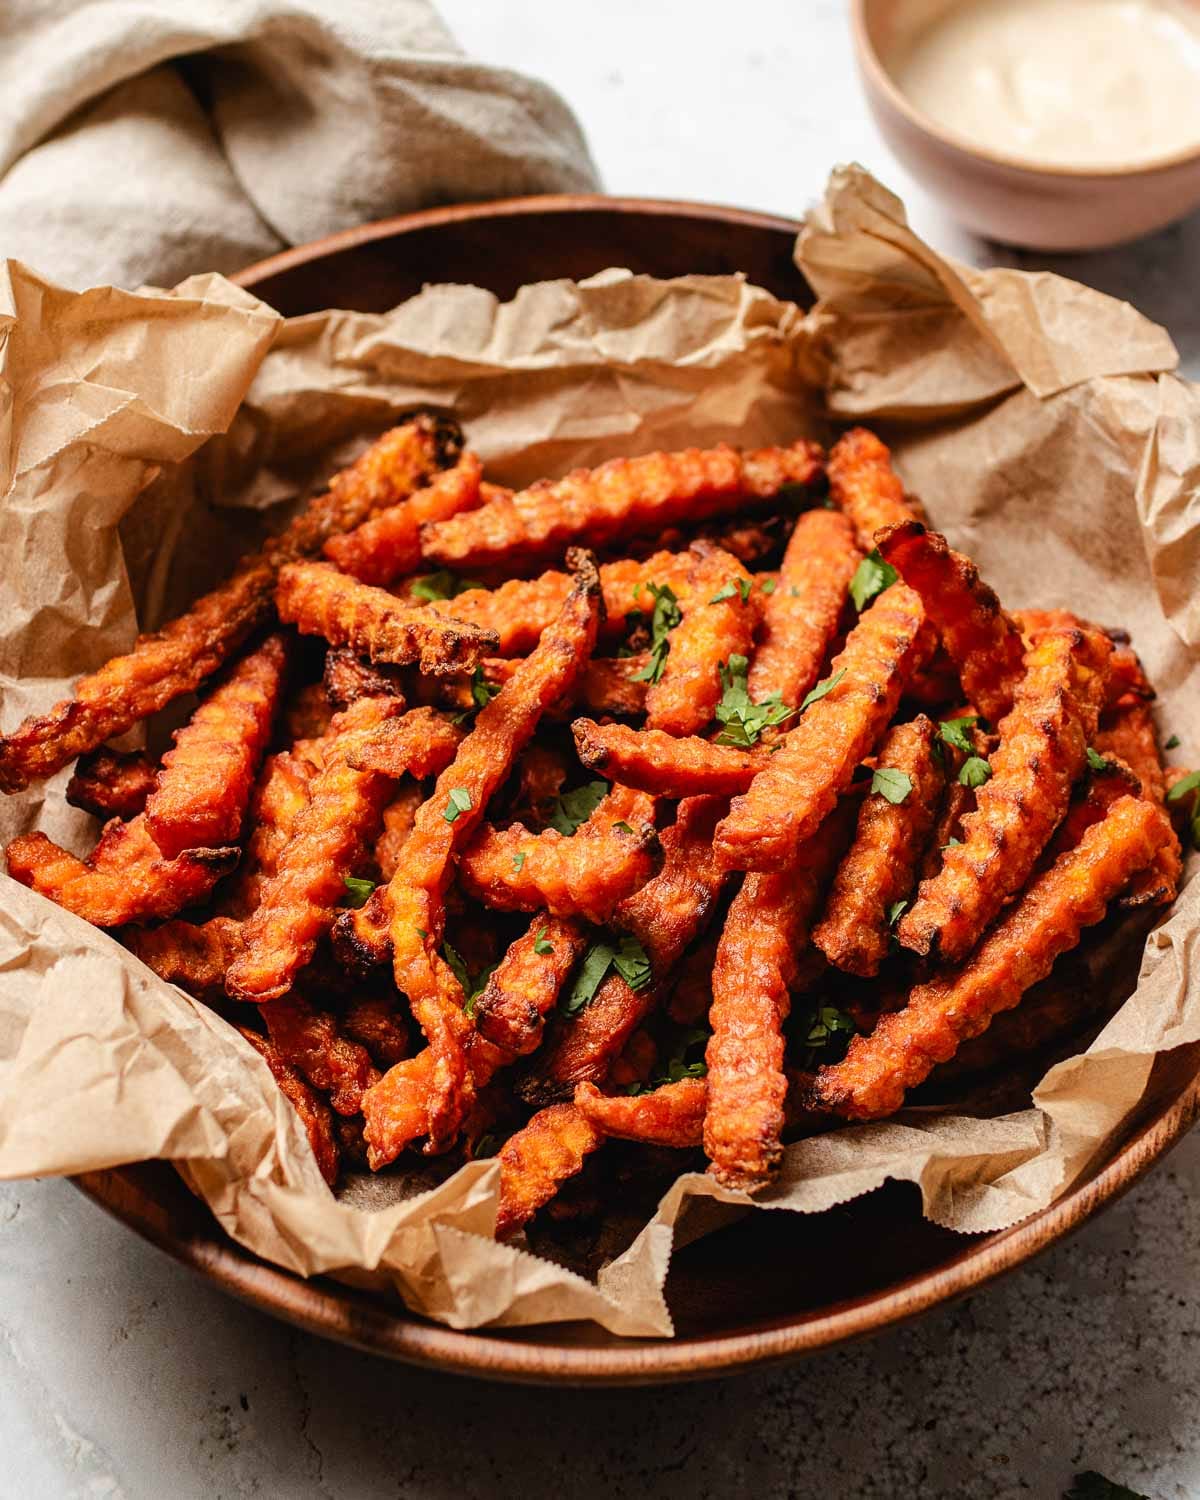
142 433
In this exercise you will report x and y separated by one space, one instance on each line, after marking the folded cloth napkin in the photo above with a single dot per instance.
143 140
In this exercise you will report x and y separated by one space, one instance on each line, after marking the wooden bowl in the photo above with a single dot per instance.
740 1298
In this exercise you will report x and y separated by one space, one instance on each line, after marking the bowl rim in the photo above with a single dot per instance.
880 79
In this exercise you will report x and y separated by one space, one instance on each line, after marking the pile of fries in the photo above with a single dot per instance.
692 800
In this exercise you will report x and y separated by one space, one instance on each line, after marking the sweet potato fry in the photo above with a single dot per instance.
524 987
863 484
618 499
982 640
201 792
398 818
800 784
176 659
801 616
719 620
1127 731
112 784
443 826
691 993
420 743
299 901
314 1113
319 600
311 1041
881 867
278 799
757 965
1046 920
126 879
538 1159
654 761
389 544
609 685
664 915
348 677
374 1021
957 801
193 956
585 874
671 1115
1043 745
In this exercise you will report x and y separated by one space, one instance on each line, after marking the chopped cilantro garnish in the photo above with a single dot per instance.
576 807
666 616
357 890
743 719
821 689
952 844
681 1063
540 946
895 912
1096 761
621 823
892 784
954 732
768 586
825 1032
482 691
519 860
1172 743
1184 788
871 577
442 585
459 802
627 957
975 771
472 985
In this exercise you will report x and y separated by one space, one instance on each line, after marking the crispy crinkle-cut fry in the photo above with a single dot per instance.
375 1021
801 616
524 987
125 880
881 866
664 765
585 874
112 783
347 677
319 600
202 789
311 1041
389 544
800 784
195 956
982 640
315 1114
1042 751
443 826
757 965
719 620
298 902
664 915
398 818
535 1162
671 1115
1127 731
1046 920
863 484
609 685
619 499
420 743
278 799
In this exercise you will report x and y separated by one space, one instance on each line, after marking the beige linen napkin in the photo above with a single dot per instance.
142 144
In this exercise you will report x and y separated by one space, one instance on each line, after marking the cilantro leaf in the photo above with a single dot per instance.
743 719
952 844
871 577
1096 761
1184 788
665 617
895 912
472 985
681 1063
519 860
631 963
892 784
768 586
357 891
621 823
588 977
954 732
825 1032
482 692
1092 1486
441 585
488 1144
975 771
726 591
576 807
1172 743
822 688
540 946
457 967
459 802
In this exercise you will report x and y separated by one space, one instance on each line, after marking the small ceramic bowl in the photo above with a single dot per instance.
1010 198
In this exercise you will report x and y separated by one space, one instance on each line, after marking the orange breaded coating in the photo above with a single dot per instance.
800 784
389 544
757 965
398 818
664 915
319 600
176 659
863 484
518 611
654 761
298 902
307 713
584 874
278 799
1127 731
1046 920
112 784
609 685
202 789
617 500
361 936
374 1021
524 987
719 620
125 880
671 1115
443 826
881 866
1042 751
801 616
982 640
538 1159
314 1113
1091 801
347 677
311 1041
193 956
420 743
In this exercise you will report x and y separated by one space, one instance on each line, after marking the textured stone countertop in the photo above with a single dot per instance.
122 1375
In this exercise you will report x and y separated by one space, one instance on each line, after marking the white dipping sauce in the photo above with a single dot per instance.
1066 82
